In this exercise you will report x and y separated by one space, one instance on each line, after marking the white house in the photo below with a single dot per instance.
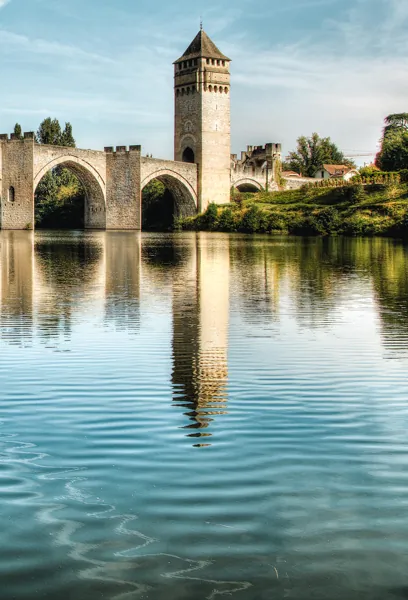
335 172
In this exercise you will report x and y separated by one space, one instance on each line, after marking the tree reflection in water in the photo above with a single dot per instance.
51 280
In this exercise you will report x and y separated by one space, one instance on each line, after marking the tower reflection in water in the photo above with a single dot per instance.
200 333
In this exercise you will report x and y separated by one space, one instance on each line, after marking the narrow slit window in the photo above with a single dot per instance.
12 194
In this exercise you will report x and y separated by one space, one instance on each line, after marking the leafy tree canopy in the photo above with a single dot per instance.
393 155
312 152
368 171
18 132
395 122
60 196
50 132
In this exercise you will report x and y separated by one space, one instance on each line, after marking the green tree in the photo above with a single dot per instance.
393 155
18 132
60 196
67 139
395 122
49 132
312 152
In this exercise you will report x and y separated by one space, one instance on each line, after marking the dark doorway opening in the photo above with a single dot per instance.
247 188
165 200
157 207
188 156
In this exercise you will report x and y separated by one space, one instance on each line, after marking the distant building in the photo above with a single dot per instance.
335 172
290 174
257 169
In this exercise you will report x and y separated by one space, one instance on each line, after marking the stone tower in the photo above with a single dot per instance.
202 117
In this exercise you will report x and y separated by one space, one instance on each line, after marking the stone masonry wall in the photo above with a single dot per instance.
297 182
16 172
123 193
216 148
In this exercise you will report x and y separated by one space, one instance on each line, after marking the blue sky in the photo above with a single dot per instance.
332 66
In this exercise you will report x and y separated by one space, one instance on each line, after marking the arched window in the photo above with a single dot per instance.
215 88
188 91
188 156
11 194
210 88
178 93
226 90
182 92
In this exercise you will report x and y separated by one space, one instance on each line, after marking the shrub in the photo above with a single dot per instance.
210 217
227 220
403 176
276 222
328 220
251 221
366 224
356 193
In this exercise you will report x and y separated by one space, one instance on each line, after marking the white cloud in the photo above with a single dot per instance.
12 41
343 84
339 79
3 3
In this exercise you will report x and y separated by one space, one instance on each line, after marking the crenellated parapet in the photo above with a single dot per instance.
121 149
260 164
28 135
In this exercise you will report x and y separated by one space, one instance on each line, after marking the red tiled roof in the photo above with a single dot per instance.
290 174
336 169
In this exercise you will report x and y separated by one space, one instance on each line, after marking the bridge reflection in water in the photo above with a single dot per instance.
57 285
53 283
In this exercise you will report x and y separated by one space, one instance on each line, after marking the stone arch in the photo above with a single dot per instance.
185 197
247 184
94 185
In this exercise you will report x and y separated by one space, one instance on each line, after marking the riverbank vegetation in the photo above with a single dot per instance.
354 209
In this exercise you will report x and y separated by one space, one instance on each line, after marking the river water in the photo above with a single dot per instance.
198 416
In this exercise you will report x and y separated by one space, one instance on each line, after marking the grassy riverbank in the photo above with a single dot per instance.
350 210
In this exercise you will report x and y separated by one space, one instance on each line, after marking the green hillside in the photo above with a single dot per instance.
376 209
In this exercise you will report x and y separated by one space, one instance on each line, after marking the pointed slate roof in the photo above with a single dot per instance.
202 47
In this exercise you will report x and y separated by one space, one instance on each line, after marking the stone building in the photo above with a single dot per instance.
258 168
202 131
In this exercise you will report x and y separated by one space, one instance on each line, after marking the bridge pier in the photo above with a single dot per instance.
17 183
123 188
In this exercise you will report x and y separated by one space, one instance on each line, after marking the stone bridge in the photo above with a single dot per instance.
113 181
